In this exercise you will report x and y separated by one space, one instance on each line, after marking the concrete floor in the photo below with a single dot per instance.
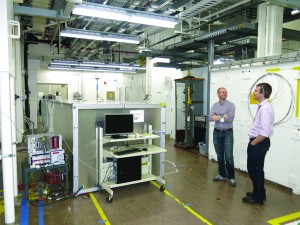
191 197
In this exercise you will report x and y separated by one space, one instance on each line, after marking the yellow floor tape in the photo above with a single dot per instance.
1 203
1 206
106 221
285 219
100 211
184 205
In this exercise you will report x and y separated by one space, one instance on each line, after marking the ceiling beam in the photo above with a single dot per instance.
198 8
69 7
45 13
294 4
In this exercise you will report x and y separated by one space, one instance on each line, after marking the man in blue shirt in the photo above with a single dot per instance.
223 113
259 144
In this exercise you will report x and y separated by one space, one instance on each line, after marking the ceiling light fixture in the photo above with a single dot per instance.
94 64
101 36
122 14
86 68
295 11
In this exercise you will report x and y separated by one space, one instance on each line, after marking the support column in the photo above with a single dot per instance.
6 68
274 30
19 91
270 20
148 84
7 151
262 21
211 58
13 133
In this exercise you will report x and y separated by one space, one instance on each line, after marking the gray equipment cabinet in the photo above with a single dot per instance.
81 126
189 103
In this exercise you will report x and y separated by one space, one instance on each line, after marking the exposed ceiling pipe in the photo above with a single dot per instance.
177 5
87 47
223 10
55 32
158 5
48 20
201 6
210 21
31 30
74 41
234 12
125 52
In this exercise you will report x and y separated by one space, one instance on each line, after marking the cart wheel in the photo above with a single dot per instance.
109 199
162 188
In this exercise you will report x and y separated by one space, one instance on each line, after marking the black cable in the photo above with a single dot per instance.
106 173
31 202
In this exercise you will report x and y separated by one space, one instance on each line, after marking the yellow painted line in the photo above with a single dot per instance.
100 211
296 68
298 93
1 206
271 70
2 202
284 219
297 99
184 205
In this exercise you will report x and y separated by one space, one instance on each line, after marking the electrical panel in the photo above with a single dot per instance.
45 150
57 156
43 142
38 159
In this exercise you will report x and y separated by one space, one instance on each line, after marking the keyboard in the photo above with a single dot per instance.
128 151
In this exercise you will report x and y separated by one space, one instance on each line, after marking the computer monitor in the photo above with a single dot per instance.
118 125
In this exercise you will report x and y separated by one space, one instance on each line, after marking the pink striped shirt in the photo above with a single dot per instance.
264 120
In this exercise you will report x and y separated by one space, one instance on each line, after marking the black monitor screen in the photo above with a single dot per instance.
116 124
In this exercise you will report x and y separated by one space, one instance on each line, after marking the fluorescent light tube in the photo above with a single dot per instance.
96 64
100 36
123 14
152 20
64 62
86 68
99 12
295 11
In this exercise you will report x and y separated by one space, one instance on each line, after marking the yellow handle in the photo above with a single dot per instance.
189 101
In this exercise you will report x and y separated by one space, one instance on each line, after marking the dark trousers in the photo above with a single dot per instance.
223 143
255 165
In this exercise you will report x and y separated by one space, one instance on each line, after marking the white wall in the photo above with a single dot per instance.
159 82
85 83
282 160
127 87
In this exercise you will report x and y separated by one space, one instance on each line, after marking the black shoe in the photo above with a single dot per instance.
252 201
232 182
250 195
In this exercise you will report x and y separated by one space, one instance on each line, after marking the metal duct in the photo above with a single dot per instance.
198 8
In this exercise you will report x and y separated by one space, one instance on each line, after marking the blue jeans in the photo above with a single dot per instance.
255 165
223 142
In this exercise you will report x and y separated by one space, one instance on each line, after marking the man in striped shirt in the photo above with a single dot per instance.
223 113
259 143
